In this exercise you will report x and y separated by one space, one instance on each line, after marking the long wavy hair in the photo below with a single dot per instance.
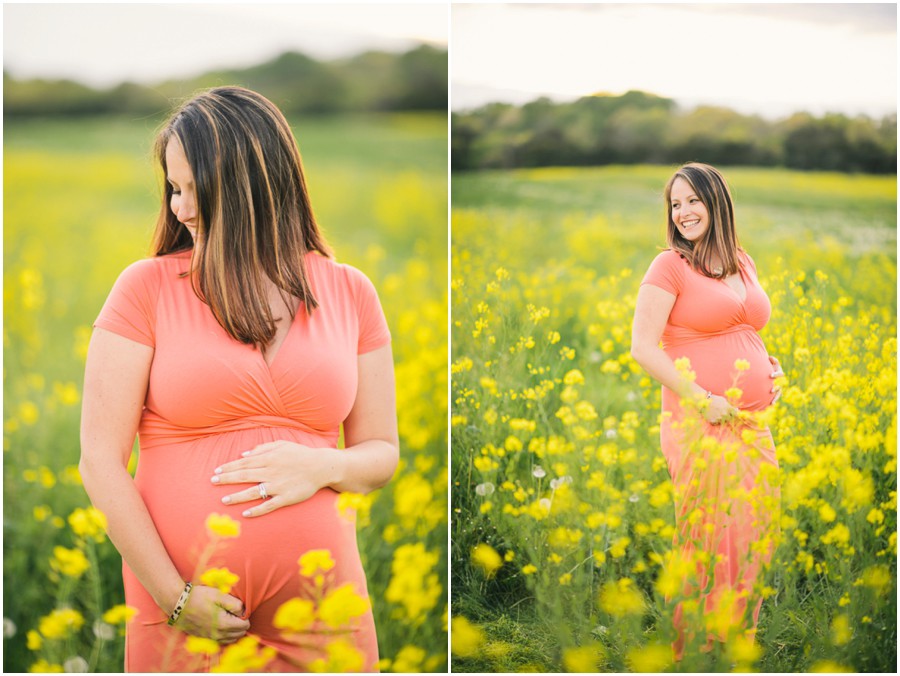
720 239
255 222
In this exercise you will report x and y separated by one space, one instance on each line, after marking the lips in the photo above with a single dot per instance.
690 224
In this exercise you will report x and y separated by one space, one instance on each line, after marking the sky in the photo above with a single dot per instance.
767 59
105 44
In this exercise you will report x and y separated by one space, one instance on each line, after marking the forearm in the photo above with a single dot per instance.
131 530
363 467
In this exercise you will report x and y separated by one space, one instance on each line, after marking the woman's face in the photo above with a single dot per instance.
689 214
180 177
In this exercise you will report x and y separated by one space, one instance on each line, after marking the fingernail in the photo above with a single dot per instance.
215 479
245 454
247 513
226 500
217 470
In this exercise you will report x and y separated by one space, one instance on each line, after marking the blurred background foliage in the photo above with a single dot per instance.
370 81
639 127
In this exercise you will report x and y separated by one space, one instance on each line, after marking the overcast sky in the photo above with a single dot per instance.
769 59
105 44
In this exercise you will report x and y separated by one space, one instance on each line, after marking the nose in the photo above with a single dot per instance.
184 207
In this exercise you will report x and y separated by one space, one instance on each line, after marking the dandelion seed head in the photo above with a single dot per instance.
76 665
104 631
484 489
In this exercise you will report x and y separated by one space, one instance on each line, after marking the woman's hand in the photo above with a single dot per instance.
777 373
718 410
289 472
211 614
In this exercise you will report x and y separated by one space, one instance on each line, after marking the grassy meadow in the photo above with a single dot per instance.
81 199
562 513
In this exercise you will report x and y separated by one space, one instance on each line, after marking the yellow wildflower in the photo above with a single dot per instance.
69 562
585 659
223 526
295 615
120 614
487 559
201 646
60 622
42 666
341 605
33 639
409 660
830 667
315 561
244 656
88 523
465 638
220 578
653 658
621 598
840 630
342 657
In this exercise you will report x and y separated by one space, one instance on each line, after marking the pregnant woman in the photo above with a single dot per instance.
236 353
702 299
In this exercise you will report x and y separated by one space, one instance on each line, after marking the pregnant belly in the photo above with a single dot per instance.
713 360
174 481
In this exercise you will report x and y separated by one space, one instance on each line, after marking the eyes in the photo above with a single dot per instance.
692 200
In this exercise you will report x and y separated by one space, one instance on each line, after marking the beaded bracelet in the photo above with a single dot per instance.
182 601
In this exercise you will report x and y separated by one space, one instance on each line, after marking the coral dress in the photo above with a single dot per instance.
210 398
725 476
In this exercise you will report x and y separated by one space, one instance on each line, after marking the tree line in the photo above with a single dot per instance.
638 127
371 81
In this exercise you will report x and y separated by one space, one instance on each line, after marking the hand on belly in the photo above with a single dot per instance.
284 473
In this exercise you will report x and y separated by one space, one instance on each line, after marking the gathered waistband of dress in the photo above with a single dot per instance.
676 336
157 431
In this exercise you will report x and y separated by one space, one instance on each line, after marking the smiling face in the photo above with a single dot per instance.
183 202
689 215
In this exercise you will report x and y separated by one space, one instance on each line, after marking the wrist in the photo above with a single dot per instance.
180 604
166 599
336 472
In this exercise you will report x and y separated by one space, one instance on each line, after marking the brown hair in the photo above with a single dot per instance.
720 239
254 218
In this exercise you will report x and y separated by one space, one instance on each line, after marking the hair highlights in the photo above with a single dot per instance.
720 241
255 222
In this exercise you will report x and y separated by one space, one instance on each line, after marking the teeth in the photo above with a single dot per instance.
688 224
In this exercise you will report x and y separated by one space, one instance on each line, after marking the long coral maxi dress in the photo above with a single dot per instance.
209 399
725 476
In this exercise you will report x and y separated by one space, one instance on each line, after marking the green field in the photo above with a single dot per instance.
81 199
545 268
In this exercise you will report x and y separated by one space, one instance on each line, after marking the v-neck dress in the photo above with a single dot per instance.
209 399
726 493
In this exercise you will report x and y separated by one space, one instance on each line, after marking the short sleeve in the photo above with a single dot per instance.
666 272
373 328
130 308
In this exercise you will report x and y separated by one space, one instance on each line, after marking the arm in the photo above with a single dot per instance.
650 315
115 385
293 472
